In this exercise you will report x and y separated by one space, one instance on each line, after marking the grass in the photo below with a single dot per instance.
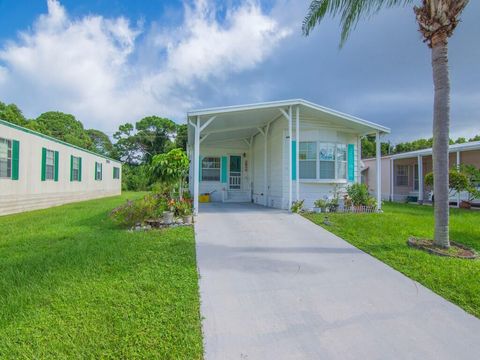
384 236
72 285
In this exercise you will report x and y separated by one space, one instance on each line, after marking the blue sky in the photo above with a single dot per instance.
111 62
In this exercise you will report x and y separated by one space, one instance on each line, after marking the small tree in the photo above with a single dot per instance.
473 175
171 168
457 180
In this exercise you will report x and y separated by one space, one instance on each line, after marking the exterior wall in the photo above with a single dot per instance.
217 187
311 190
258 157
29 192
370 176
400 193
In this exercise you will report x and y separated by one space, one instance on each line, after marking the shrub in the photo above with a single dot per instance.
358 194
130 213
297 206
320 203
457 180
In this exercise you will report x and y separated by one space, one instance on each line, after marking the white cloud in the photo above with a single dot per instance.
90 66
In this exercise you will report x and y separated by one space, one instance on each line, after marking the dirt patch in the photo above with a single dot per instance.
456 250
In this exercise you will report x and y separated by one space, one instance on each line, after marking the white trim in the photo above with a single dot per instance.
419 178
290 165
378 154
297 150
474 145
285 103
196 167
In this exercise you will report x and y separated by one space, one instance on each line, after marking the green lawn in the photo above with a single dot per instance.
72 285
384 236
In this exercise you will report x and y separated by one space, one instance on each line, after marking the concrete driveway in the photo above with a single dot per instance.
275 286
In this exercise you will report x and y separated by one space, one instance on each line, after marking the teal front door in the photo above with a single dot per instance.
235 175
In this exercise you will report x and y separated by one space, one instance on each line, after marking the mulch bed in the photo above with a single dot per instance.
456 250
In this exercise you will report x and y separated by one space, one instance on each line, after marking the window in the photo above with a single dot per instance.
50 165
116 173
308 160
76 169
341 161
327 161
211 169
415 177
331 162
98 171
401 176
5 158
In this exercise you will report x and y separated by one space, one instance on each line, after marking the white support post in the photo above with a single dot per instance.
196 166
420 179
392 166
290 167
458 168
297 148
265 168
379 171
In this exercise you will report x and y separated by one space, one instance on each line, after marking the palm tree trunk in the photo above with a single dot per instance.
441 126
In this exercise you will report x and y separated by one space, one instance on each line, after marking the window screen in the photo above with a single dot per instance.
211 169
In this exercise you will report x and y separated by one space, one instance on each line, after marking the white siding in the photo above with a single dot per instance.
29 192
258 169
217 187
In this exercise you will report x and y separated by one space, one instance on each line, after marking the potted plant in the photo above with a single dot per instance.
185 210
333 205
320 205
168 215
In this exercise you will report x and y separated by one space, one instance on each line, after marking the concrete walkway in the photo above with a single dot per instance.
276 286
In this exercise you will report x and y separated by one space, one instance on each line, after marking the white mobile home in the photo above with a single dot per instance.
38 171
274 153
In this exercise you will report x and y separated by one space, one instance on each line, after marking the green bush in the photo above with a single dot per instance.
359 195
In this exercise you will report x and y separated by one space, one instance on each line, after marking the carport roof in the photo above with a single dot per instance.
243 121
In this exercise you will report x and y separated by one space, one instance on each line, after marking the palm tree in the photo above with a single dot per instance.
437 19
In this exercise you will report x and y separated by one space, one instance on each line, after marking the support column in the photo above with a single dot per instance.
297 148
420 179
196 166
392 183
379 171
265 192
290 167
458 168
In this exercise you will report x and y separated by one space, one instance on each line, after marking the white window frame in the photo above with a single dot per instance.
212 168
405 175
50 156
336 178
76 168
116 172
8 158
99 173
314 160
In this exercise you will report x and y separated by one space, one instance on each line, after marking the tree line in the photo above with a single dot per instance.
133 144
387 148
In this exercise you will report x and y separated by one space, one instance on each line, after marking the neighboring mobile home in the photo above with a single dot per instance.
274 153
403 174
38 171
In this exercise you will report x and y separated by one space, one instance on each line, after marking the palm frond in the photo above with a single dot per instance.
349 11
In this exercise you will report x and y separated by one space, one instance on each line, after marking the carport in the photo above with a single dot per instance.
272 133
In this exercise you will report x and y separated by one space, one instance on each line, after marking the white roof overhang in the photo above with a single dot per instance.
240 122
469 146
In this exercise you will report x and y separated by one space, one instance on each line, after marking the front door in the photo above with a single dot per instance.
235 176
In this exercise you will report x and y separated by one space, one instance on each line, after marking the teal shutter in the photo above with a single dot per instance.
200 169
44 163
15 159
294 160
71 167
56 165
351 162
223 167
79 169
96 164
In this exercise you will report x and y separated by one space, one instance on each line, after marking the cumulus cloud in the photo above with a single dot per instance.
92 66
